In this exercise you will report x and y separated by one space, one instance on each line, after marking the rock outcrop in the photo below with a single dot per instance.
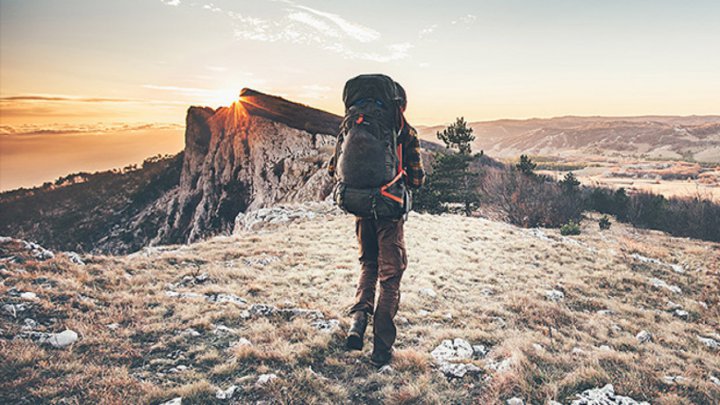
259 151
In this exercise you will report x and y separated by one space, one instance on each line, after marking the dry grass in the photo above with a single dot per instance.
490 277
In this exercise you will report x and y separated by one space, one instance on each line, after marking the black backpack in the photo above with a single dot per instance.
368 156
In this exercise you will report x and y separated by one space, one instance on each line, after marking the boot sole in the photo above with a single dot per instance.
354 342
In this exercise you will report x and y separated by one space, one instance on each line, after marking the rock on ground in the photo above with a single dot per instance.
644 336
61 340
265 378
604 396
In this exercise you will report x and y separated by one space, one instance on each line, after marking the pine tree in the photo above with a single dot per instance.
457 136
451 186
526 166
570 184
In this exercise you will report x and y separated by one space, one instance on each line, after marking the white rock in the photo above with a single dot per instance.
714 380
75 258
673 305
222 329
681 314
675 267
386 369
657 283
265 378
515 401
113 326
328 326
480 350
500 366
452 350
423 313
459 370
554 295
178 369
29 324
62 339
674 379
709 342
191 332
220 298
644 336
262 310
28 295
428 292
174 401
604 396
227 394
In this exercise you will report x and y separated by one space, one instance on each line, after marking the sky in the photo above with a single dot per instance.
86 65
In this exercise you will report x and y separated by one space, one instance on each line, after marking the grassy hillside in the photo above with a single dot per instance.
556 316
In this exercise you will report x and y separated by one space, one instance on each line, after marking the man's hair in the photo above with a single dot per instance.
402 95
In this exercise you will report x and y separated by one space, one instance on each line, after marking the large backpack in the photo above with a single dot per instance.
368 155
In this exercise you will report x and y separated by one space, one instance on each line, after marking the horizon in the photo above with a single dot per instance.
506 59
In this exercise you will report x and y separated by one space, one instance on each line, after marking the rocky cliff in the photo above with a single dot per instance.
259 151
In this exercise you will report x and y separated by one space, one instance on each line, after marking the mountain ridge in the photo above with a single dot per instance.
652 136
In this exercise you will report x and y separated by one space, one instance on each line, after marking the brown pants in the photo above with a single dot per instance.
382 258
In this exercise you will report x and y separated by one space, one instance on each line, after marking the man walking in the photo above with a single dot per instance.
382 255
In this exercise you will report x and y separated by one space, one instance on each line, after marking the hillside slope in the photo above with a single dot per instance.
693 138
527 313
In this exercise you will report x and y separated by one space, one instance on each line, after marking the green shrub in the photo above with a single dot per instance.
571 228
604 223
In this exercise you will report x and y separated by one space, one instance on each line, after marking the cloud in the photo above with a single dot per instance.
212 8
467 19
356 31
65 99
319 25
425 32
299 24
65 129
171 2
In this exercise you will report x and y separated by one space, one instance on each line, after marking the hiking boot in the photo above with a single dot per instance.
357 331
381 357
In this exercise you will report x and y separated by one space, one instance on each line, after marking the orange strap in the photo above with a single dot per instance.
401 172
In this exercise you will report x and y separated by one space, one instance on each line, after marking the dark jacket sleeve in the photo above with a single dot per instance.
412 159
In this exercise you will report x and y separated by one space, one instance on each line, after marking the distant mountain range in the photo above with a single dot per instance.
662 137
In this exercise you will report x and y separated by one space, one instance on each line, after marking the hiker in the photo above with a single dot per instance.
373 133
